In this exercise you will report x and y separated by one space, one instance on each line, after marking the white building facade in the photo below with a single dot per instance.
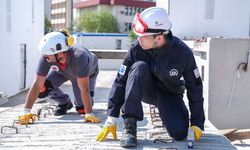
61 14
21 28
208 18
122 10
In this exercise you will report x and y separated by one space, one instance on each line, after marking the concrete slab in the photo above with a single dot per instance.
3 98
70 132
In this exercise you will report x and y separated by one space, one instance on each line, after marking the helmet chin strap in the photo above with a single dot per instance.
57 60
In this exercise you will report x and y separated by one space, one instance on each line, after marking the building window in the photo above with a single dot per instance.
130 11
134 10
249 25
142 9
209 9
138 9
169 7
8 16
126 11
128 26
118 44
202 72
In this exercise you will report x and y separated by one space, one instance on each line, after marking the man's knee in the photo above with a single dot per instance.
139 68
46 89
178 135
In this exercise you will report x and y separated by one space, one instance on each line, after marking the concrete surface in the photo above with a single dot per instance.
70 132
226 88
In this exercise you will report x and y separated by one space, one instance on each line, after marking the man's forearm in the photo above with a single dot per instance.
86 100
32 96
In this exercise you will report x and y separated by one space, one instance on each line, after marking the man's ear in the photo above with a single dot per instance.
160 37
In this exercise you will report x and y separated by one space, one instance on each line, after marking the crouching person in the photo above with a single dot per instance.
61 62
152 72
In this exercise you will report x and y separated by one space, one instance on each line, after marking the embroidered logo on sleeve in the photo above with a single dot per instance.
54 68
122 69
196 73
173 72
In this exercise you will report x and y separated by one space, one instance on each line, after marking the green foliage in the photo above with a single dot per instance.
102 21
47 25
132 36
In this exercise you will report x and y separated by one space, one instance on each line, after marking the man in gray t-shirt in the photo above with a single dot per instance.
59 63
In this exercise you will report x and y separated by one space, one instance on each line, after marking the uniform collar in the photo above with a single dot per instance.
166 48
68 57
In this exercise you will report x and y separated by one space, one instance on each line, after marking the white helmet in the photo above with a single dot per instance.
53 43
151 21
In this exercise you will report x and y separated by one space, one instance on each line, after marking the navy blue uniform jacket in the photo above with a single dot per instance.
169 65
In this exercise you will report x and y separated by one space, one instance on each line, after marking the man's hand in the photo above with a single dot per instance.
197 132
105 131
91 118
110 126
27 117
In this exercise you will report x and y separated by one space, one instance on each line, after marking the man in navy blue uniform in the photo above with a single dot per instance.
153 72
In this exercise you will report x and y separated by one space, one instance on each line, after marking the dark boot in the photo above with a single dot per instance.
129 138
80 109
62 109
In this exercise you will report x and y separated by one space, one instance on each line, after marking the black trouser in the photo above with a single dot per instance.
140 86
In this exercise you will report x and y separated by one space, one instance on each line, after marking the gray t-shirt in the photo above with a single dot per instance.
81 63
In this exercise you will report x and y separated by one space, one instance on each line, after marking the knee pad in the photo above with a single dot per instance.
44 91
178 135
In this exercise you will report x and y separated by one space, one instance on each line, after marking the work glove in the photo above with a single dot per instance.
89 117
197 132
109 126
27 117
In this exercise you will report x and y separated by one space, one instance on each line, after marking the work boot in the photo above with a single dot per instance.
62 109
129 138
80 109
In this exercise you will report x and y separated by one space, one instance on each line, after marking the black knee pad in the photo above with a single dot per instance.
48 88
178 135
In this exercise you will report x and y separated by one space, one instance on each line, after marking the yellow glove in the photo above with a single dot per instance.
26 118
105 131
91 118
197 132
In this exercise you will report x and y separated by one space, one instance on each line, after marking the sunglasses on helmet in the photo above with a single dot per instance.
141 27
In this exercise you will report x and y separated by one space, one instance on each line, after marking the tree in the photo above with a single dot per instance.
47 25
101 21
132 36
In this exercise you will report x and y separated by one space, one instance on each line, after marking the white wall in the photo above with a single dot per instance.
47 8
195 18
22 22
226 96
229 104
102 40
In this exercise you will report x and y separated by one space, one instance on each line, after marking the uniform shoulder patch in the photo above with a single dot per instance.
54 68
196 73
122 69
